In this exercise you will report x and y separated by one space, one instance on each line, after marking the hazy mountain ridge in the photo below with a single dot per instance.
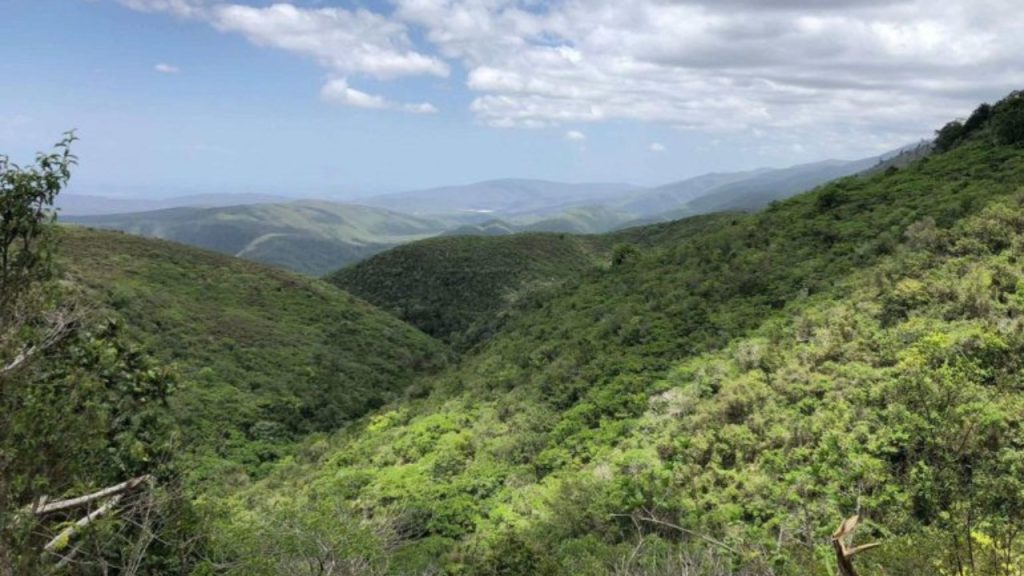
318 236
313 237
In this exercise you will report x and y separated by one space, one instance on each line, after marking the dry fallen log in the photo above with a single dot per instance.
842 539
60 541
42 507
111 495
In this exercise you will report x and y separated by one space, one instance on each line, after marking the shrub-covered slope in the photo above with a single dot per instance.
457 287
716 403
265 355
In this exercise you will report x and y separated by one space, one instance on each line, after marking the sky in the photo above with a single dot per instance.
347 98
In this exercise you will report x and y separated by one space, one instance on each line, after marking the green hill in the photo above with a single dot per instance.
265 355
311 237
463 288
714 403
459 288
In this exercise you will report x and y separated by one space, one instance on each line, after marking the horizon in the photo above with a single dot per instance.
350 100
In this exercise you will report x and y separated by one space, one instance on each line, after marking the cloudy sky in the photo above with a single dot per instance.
348 97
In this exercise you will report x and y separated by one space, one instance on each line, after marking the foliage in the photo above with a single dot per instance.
729 395
265 356
81 406
459 288
26 200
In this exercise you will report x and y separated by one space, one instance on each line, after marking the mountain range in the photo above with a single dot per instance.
316 237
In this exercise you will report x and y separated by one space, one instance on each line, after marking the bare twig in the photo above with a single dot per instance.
654 520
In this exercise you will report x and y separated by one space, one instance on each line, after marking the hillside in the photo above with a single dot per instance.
459 288
718 403
311 237
740 191
264 355
462 288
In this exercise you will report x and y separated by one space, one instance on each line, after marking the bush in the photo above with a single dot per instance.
1008 120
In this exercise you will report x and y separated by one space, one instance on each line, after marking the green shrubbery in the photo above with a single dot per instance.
729 396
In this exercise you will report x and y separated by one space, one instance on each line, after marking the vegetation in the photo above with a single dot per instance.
719 402
81 406
264 355
709 396
460 288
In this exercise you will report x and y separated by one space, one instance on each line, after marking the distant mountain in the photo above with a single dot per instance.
87 205
317 237
654 201
313 237
501 198
739 191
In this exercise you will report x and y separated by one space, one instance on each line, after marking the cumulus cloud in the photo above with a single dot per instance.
346 41
575 136
656 147
166 68
837 75
354 42
337 91
846 74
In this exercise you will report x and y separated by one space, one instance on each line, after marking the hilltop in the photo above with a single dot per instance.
458 288
462 289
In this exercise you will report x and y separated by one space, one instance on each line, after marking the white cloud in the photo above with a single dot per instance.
346 41
575 136
836 75
421 108
656 147
337 91
166 68
840 75
183 8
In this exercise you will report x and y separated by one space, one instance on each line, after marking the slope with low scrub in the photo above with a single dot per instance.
714 404
265 355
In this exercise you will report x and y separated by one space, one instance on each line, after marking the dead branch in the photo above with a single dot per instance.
63 326
841 540
61 540
41 507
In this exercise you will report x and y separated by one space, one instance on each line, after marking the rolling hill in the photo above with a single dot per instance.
459 288
95 205
716 401
311 237
264 355
463 289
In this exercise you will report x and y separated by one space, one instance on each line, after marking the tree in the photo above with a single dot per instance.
623 252
1008 120
81 407
949 136
26 218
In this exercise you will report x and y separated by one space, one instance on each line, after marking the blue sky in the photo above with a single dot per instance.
348 98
